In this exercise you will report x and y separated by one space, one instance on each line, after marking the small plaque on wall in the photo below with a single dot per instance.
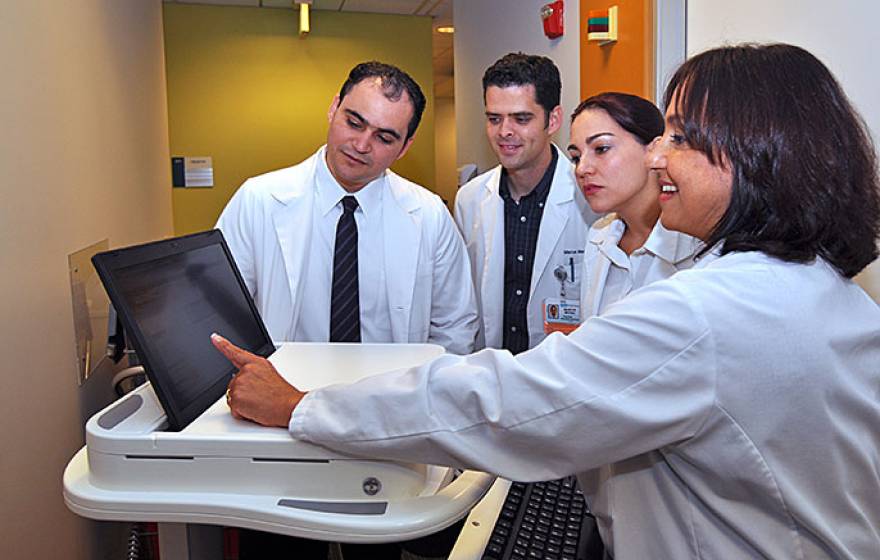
192 172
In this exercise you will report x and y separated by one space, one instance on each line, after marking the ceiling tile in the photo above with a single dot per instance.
277 3
254 3
382 6
332 5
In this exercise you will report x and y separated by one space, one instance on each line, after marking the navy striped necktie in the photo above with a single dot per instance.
345 313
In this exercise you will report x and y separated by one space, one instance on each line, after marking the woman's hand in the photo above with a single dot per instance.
257 392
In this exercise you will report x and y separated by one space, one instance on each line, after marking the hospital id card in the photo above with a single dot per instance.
561 315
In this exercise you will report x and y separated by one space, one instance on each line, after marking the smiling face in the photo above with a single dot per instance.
367 134
610 164
519 129
695 194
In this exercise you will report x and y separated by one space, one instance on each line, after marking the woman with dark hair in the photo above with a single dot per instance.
734 406
804 172
628 248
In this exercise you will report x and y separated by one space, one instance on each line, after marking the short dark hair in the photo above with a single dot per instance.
394 82
636 115
518 69
804 168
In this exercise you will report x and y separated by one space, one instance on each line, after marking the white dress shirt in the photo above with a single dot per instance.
610 274
375 318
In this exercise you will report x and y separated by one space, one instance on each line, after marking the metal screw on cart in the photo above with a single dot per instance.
372 486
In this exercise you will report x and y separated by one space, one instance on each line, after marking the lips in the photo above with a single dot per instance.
667 190
591 189
508 149
353 159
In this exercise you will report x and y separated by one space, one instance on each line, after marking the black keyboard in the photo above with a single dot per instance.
544 520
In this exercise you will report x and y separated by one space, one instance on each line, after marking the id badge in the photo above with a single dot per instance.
561 315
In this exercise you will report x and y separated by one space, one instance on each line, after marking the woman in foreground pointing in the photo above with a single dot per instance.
741 395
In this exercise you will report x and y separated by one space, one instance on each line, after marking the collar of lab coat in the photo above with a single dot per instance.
553 222
670 246
401 225
555 196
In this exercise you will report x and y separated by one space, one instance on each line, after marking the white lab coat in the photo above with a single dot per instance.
742 392
479 213
609 276
268 225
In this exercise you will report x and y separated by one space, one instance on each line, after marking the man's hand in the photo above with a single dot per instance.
257 393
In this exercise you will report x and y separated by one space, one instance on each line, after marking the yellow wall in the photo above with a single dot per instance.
444 138
244 89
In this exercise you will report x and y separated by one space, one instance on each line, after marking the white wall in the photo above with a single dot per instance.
842 35
84 156
486 30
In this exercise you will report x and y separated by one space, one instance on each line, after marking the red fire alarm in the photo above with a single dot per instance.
552 15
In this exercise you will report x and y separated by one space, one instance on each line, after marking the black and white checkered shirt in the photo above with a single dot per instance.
522 221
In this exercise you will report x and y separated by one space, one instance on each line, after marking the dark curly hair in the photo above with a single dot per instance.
804 168
518 69
636 115
394 82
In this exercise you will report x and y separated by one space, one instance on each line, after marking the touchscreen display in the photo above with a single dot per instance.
175 302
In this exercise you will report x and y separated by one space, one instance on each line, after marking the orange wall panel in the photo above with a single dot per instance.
626 65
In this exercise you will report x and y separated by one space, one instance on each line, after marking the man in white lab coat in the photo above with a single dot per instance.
524 222
338 248
414 282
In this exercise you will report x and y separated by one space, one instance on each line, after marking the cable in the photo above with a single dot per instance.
123 375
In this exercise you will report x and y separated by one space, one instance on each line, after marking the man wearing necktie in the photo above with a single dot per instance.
340 249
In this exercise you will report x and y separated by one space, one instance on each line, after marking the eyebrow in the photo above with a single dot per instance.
360 117
515 115
590 139
593 137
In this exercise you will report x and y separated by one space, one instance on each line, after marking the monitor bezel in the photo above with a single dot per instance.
108 263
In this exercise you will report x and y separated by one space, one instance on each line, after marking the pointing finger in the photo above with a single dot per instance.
238 356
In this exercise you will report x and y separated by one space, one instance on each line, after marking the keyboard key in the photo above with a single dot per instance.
542 530
495 549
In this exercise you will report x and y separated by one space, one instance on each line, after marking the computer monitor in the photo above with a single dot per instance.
171 295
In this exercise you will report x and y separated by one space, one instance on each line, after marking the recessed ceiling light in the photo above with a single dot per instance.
446 29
